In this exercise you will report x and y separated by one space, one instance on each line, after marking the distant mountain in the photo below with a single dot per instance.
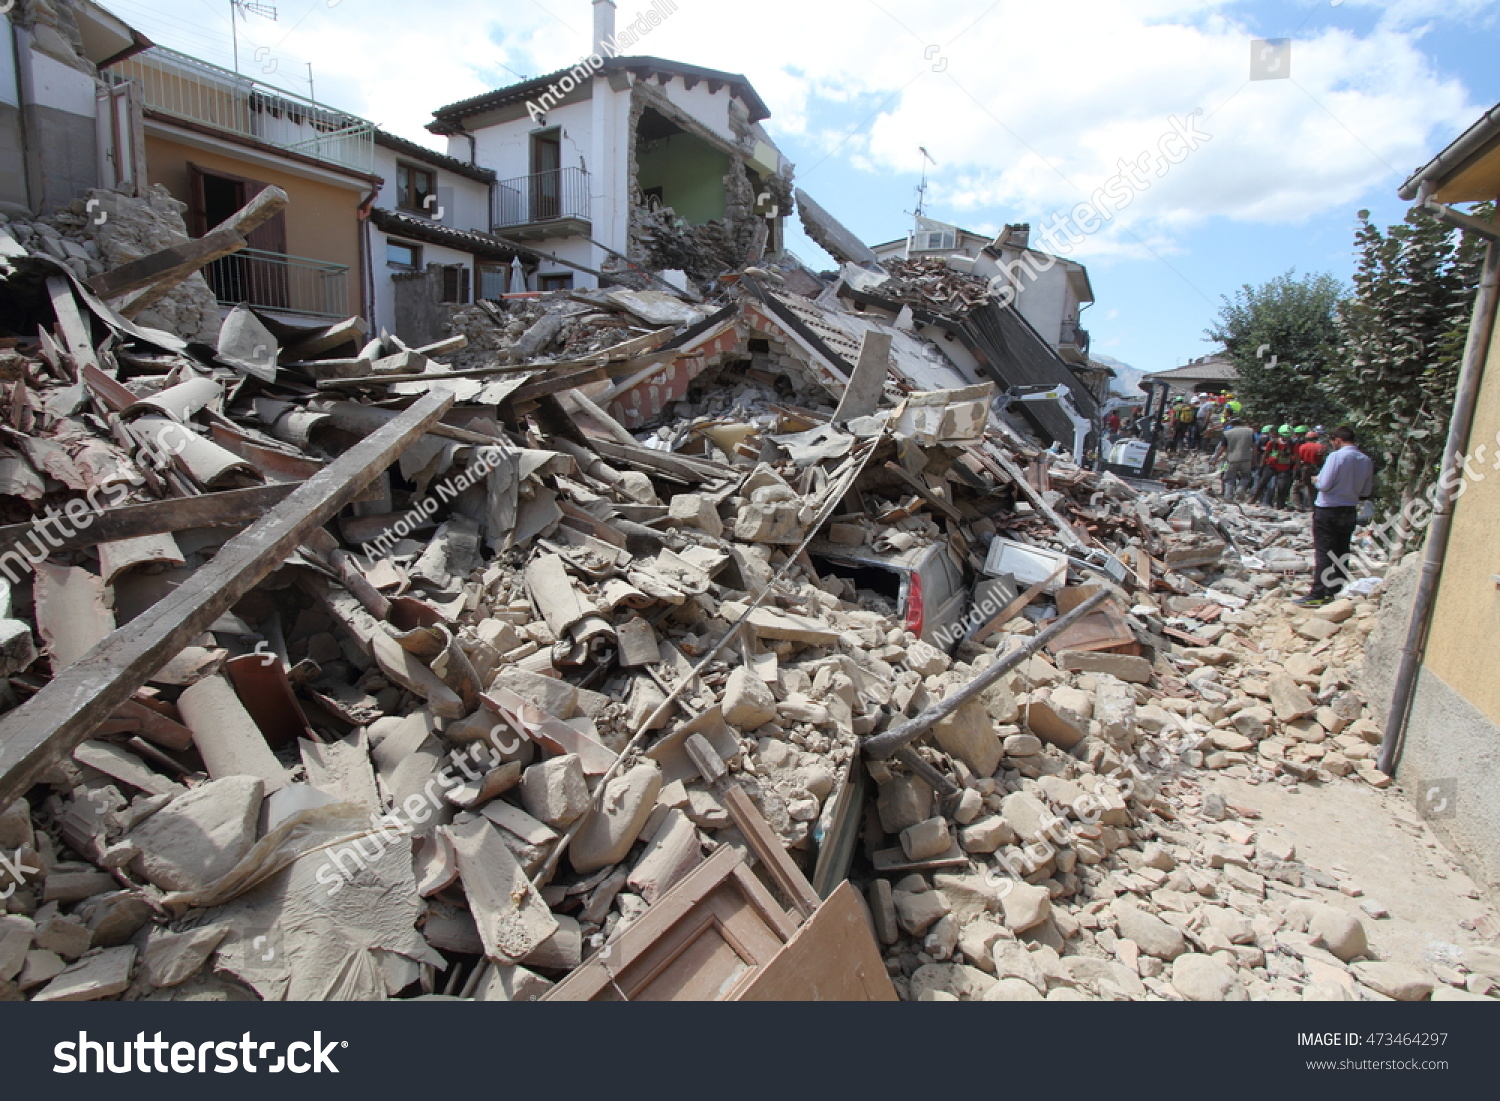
1128 382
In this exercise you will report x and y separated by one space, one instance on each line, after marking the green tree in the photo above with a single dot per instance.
1283 339
1404 330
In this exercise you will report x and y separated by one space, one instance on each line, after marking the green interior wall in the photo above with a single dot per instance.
689 172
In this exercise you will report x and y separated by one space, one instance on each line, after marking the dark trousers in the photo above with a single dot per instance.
1333 528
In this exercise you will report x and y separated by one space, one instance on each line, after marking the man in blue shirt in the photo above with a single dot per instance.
1347 478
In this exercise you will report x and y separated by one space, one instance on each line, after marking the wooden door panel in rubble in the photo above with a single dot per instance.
699 942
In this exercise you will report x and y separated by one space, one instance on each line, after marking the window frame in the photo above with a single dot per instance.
416 253
405 171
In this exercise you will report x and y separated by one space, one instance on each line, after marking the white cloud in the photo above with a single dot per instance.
1032 109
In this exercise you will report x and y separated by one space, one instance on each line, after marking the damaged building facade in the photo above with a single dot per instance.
637 161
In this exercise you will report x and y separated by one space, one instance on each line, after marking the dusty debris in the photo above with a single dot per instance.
464 667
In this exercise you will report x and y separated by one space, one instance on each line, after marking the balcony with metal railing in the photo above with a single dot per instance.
544 204
281 283
183 87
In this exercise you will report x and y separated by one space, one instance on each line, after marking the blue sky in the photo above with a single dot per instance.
1027 107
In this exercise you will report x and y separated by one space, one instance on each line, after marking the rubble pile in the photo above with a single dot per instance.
932 283
494 686
106 229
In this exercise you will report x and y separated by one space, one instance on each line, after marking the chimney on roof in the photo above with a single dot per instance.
604 25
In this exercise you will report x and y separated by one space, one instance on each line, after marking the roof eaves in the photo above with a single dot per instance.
1455 156
433 157
446 116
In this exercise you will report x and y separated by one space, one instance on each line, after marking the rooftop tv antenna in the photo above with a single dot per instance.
243 8
922 190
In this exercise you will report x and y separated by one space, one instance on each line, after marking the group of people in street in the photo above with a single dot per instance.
1198 423
1302 467
1276 467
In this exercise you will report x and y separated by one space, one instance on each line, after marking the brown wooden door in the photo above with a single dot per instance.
262 281
546 178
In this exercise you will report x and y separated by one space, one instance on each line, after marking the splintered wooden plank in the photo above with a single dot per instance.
235 506
265 205
175 263
75 702
76 333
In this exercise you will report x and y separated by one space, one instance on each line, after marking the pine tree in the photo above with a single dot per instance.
1403 332
1283 339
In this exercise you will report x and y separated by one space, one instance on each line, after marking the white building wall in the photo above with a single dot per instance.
384 291
710 109
609 186
465 203
506 148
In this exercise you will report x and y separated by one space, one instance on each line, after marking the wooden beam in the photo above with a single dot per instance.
619 353
76 332
86 693
555 383
1015 607
175 263
262 208
991 455
351 416
236 506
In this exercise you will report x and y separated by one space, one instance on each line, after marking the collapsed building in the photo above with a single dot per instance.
740 637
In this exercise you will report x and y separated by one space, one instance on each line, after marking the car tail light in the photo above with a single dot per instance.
915 613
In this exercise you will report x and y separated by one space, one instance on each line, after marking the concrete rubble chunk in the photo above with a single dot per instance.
1153 935
171 959
986 835
1012 990
1341 933
1012 960
1025 907
673 852
917 913
1288 699
968 735
198 838
1201 978
1056 725
748 703
16 933
92 978
883 911
926 839
555 791
41 967
619 814
1132 670
513 920
1400 981
1029 817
